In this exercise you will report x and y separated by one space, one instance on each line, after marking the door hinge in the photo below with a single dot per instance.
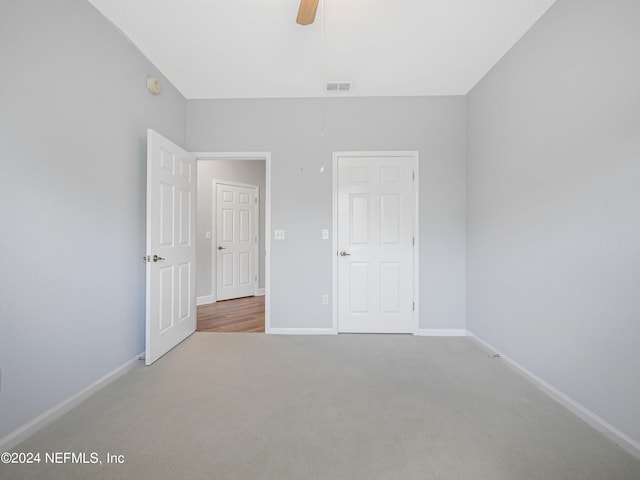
414 306
255 200
413 176
413 241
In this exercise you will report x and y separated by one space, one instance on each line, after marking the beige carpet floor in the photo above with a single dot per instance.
250 406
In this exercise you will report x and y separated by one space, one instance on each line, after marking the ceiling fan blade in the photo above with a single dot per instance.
307 12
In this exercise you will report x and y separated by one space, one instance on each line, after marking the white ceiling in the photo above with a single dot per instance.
255 49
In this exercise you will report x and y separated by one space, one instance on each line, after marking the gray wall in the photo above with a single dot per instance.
241 171
74 113
291 129
553 205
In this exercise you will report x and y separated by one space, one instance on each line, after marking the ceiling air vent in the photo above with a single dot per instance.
338 87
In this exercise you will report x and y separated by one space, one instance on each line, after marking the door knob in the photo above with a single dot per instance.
222 248
344 254
156 258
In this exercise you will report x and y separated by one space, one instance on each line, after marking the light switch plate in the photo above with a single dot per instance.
325 234
207 234
278 234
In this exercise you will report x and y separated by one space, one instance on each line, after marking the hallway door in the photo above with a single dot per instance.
237 240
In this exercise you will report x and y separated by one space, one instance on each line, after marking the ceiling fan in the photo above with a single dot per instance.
307 12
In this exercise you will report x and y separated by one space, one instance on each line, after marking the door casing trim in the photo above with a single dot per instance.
266 156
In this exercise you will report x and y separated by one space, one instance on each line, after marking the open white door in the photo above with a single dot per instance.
171 251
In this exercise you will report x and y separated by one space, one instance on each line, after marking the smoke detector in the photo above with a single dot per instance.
153 85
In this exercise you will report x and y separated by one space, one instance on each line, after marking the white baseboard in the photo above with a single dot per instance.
597 422
55 412
425 332
205 300
441 332
302 331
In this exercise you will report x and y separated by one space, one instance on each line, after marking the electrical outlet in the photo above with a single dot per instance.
278 234
325 299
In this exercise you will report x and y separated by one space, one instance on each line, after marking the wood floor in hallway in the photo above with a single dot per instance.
237 315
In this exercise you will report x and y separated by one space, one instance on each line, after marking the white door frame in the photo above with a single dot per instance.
214 229
266 157
416 215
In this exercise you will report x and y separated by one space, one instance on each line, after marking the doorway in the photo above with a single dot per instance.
224 270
